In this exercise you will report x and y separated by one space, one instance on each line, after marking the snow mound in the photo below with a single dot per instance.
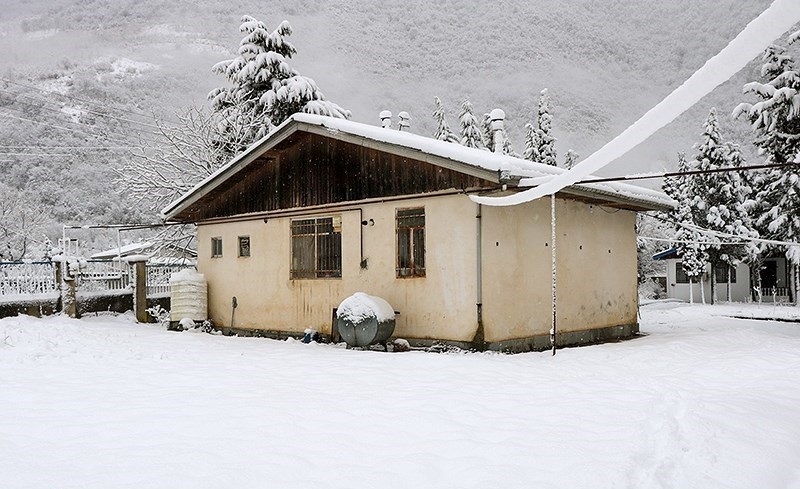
361 306
187 275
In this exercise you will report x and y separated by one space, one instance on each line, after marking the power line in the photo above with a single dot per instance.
63 128
688 173
90 111
73 97
77 123
720 234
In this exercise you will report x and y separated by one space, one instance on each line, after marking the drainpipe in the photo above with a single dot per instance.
553 331
479 340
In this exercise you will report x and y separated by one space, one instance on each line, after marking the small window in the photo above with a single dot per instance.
317 248
721 274
244 246
216 247
410 242
680 274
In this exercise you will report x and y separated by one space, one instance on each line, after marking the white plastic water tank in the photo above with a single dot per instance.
188 291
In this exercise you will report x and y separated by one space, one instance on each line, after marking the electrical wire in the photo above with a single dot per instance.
73 97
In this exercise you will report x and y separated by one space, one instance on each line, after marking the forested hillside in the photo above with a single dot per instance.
83 81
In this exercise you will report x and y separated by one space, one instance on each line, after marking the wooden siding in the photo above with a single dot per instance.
309 169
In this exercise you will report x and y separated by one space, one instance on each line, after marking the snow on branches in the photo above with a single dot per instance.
264 89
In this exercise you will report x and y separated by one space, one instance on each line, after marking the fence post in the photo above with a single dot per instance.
69 291
140 289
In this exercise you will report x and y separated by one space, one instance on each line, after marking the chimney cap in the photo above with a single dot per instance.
385 114
497 115
404 115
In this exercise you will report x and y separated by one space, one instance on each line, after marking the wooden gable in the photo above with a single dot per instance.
308 169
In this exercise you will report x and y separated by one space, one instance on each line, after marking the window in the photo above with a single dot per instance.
317 248
216 247
721 274
410 242
244 246
680 274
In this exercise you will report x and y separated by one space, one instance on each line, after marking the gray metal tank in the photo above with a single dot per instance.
364 320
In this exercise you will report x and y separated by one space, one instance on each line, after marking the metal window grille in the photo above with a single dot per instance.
216 247
244 246
410 242
317 248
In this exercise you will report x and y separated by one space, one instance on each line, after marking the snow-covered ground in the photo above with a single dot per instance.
701 401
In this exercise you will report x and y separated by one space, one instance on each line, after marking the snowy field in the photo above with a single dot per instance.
701 401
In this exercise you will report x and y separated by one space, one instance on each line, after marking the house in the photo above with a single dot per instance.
775 274
322 208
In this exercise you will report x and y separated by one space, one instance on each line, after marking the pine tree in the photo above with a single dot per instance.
443 132
531 152
264 90
570 159
689 241
713 197
775 121
470 131
547 149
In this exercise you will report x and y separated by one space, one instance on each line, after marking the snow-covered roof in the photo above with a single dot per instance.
477 162
133 248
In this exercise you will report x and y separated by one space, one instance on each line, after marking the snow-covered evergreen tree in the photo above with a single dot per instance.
547 148
471 136
719 199
264 89
570 159
775 120
688 240
531 152
443 132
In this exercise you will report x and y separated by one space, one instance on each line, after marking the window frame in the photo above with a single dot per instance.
327 265
721 270
680 273
240 240
410 233
214 241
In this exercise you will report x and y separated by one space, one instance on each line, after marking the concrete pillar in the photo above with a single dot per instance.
69 291
140 290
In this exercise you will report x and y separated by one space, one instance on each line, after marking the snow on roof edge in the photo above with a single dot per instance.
477 158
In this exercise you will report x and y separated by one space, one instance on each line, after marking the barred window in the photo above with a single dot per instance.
216 247
317 248
244 246
410 242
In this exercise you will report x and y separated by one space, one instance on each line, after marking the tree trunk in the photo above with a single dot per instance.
755 279
713 283
702 290
728 286
691 291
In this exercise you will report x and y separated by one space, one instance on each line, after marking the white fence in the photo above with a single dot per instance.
102 276
27 279
31 280
158 278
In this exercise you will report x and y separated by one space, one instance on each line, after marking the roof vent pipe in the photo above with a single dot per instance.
386 119
497 116
405 120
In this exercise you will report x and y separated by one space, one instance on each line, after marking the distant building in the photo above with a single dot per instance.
322 208
774 280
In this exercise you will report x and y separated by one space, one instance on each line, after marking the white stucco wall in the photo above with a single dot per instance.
596 267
